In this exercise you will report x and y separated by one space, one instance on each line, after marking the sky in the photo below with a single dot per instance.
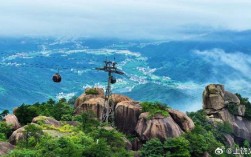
128 19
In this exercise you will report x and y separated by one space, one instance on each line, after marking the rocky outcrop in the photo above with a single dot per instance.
5 147
185 123
46 120
95 102
17 135
129 118
229 140
117 98
84 97
231 98
126 116
157 127
216 103
12 120
96 105
213 97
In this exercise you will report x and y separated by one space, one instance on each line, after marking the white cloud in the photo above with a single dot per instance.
237 60
156 19
67 96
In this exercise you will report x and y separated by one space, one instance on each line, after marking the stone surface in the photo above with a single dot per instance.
95 102
241 110
46 120
217 112
185 123
84 97
231 98
128 144
12 120
213 97
17 135
126 116
157 127
229 140
117 98
96 105
5 147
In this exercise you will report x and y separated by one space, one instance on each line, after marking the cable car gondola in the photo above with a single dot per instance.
56 78
113 80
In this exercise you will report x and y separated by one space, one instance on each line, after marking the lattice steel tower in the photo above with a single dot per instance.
108 112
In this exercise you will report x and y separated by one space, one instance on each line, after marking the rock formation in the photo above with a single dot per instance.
12 121
126 116
117 98
95 102
157 127
5 147
130 120
17 135
185 123
46 120
216 101
213 97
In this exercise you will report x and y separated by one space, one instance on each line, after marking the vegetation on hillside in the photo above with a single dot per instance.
61 110
245 101
91 91
90 138
233 108
155 108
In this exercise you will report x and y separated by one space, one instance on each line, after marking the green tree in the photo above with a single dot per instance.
155 108
88 121
72 100
98 149
25 113
3 114
245 101
152 148
23 153
5 131
177 147
32 135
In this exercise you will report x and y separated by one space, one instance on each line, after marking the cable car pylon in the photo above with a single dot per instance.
108 112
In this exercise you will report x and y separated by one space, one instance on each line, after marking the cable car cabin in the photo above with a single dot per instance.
113 80
56 78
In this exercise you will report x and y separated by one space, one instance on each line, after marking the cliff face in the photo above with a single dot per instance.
216 102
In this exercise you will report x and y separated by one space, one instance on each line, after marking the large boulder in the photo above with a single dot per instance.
241 126
185 123
17 135
213 97
5 147
95 102
231 98
157 127
217 102
117 98
126 116
46 120
12 120
86 96
96 105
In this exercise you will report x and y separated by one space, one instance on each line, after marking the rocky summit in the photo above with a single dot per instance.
217 102
130 119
